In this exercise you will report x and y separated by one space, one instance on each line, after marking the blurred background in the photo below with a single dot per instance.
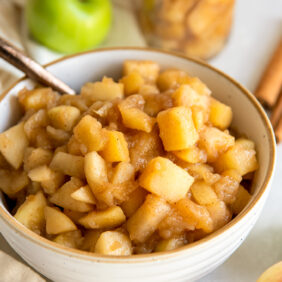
237 37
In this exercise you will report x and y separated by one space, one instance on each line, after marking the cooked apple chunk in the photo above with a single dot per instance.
38 98
104 90
71 239
57 222
31 212
136 119
13 143
132 83
13 181
68 164
109 218
95 171
142 224
241 157
164 178
147 69
203 193
177 129
215 142
35 157
89 132
64 117
63 198
194 214
113 243
84 194
220 114
116 148
242 199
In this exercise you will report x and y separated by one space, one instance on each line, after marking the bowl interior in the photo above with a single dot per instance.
248 117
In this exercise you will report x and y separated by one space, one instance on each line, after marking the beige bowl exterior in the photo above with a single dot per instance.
187 263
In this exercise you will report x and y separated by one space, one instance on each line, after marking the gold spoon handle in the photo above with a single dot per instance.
32 69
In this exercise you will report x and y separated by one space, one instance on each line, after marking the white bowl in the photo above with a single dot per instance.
184 264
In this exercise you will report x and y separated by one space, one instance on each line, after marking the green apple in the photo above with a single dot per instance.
69 26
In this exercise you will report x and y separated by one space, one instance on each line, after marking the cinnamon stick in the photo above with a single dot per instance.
278 131
269 87
276 113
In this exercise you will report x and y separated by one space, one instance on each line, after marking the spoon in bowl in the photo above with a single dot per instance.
35 71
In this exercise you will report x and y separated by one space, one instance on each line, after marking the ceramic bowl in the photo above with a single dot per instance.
186 263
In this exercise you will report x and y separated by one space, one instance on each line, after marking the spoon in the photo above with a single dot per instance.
18 59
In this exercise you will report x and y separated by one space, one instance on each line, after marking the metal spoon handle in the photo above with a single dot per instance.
32 69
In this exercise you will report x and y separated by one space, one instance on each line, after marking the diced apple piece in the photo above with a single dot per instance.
73 146
200 117
132 101
173 225
84 194
89 132
113 243
143 147
220 114
36 157
123 172
13 143
147 69
242 199
164 178
57 222
51 185
74 215
234 174
105 90
203 193
136 119
215 142
226 188
272 274
238 157
142 224
31 212
219 213
186 96
109 218
171 79
132 83
62 197
202 172
195 215
199 86
90 240
57 136
95 172
135 200
177 129
68 164
64 117
41 173
73 100
38 98
72 239
116 148
13 181
192 155
170 244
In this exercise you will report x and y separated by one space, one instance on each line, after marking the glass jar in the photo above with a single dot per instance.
198 28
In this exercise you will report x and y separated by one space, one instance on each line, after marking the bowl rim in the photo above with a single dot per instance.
141 258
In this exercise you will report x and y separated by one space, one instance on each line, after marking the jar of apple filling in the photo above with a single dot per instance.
198 28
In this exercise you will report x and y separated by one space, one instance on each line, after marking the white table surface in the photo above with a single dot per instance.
256 31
